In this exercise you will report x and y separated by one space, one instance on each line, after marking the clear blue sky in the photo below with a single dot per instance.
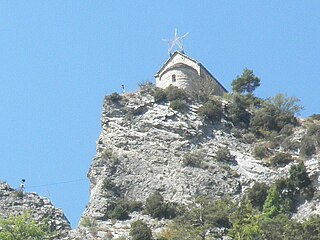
59 58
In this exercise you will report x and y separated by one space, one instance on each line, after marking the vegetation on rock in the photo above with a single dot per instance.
263 211
211 110
24 227
247 82
158 208
121 208
114 97
224 155
193 159
140 231
280 159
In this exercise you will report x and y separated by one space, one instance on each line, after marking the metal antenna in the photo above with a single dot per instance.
175 41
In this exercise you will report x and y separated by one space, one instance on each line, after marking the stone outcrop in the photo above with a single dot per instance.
145 147
15 202
142 148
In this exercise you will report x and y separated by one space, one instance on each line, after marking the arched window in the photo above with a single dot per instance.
173 77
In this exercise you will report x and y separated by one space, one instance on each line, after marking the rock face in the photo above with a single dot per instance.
145 147
13 202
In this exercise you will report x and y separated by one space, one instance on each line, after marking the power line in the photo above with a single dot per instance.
57 183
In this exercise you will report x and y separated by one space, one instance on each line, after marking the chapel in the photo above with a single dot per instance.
182 71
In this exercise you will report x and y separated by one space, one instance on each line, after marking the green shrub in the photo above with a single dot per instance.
311 228
119 212
224 155
175 93
287 130
121 208
107 153
146 87
261 151
299 178
280 159
249 138
88 222
287 191
237 112
23 227
193 159
157 208
109 185
315 117
307 146
258 194
236 132
140 231
273 203
314 131
114 97
211 110
179 105
270 119
159 95
289 145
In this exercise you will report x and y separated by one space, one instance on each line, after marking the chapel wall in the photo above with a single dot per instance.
178 77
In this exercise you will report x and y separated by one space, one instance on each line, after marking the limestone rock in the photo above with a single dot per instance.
15 202
142 148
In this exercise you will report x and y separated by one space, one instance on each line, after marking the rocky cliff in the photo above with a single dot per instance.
15 202
146 146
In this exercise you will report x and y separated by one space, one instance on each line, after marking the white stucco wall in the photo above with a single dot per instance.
182 75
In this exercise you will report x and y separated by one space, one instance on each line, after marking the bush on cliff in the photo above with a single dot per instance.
114 97
140 231
224 155
157 208
179 105
23 227
211 110
170 93
121 208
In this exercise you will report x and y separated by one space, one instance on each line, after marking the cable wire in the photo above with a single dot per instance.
57 183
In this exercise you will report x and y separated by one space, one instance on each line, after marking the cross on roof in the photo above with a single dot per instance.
175 41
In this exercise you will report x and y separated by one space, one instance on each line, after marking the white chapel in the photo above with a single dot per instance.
180 70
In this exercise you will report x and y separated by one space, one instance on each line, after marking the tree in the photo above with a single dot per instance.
23 227
247 82
286 104
140 231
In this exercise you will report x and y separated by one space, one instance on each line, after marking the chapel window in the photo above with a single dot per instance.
174 78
